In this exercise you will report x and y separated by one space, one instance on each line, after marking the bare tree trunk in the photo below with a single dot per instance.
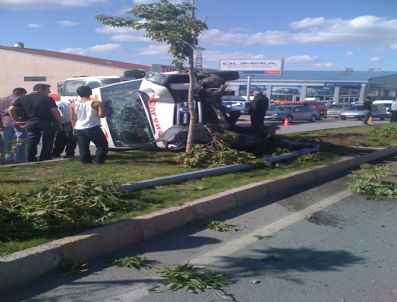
191 105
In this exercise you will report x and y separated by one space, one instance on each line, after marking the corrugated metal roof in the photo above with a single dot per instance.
326 76
76 58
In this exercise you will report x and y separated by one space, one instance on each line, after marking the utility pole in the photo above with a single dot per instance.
191 101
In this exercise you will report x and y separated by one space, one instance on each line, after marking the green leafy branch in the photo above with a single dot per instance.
191 279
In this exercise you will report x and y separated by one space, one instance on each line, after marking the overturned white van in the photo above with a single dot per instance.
152 111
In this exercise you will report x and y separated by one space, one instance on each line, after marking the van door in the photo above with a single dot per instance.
127 116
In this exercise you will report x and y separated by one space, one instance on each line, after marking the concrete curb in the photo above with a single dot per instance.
26 265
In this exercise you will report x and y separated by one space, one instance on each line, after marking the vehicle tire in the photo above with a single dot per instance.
290 119
313 118
343 118
382 118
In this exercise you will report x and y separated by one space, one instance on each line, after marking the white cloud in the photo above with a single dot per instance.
349 53
34 25
394 45
154 50
374 59
300 59
107 29
307 22
105 48
129 38
219 37
362 29
66 23
323 65
45 4
76 51
123 34
96 49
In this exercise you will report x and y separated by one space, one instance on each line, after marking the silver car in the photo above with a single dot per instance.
292 113
357 111
334 110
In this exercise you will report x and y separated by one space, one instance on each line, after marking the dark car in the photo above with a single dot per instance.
292 113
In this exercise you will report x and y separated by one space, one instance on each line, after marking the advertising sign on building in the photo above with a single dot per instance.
339 84
265 66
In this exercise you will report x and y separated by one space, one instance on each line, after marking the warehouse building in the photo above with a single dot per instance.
24 67
331 86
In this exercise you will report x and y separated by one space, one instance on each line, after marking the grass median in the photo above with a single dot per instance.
129 167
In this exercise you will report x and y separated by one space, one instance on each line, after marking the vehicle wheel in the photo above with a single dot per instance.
382 118
360 118
342 118
290 119
313 118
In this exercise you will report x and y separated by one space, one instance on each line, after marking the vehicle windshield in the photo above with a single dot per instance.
69 87
126 115
278 108
335 106
356 107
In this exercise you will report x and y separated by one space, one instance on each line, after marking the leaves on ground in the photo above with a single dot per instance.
191 279
370 183
132 261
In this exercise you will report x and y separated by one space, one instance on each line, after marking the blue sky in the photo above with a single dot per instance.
308 34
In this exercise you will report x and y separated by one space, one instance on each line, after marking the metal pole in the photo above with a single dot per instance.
248 88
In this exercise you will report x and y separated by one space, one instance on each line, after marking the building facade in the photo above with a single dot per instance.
25 67
330 86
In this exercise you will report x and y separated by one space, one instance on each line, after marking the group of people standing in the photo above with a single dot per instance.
29 118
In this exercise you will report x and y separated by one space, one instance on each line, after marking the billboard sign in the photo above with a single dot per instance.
265 66
337 84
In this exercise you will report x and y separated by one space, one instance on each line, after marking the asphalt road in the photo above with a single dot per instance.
296 126
321 244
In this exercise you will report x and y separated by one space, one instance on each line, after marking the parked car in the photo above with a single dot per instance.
334 110
234 102
292 113
357 111
320 107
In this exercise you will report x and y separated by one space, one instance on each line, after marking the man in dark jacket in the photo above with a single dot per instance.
258 108
368 108
42 120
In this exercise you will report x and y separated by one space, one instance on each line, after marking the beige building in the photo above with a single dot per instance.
24 67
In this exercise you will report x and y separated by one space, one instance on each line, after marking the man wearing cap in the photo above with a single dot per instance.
258 108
